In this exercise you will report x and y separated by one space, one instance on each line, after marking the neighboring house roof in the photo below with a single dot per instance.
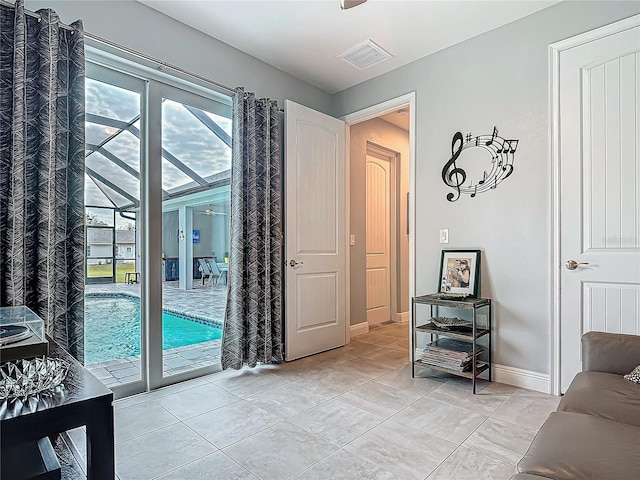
103 235
125 236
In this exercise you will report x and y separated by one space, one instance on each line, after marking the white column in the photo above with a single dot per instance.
185 247
138 249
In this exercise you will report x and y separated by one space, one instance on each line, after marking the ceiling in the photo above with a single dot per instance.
304 37
399 118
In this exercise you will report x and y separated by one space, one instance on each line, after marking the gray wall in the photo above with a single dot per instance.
394 138
204 224
170 225
145 30
214 235
499 78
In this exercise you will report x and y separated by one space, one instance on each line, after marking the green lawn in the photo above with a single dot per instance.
96 271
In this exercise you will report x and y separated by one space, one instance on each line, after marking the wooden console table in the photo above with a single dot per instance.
83 401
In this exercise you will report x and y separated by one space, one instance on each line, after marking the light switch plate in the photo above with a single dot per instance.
352 240
444 235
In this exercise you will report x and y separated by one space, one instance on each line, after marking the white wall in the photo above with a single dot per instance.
499 78
101 250
121 249
145 30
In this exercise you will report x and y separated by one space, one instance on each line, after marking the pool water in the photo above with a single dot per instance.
112 329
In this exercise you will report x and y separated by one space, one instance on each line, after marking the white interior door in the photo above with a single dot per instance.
599 105
378 241
315 232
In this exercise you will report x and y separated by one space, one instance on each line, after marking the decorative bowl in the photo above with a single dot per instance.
22 378
450 322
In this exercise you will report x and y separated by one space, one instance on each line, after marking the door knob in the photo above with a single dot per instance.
572 264
293 263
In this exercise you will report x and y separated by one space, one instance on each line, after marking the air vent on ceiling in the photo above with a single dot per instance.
365 55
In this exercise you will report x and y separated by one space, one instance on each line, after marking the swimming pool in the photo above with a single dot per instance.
112 328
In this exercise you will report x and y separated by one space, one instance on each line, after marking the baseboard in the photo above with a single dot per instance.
402 317
359 329
521 378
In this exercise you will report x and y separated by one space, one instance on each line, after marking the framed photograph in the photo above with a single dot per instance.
460 272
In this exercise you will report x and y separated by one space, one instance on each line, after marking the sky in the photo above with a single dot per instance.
183 136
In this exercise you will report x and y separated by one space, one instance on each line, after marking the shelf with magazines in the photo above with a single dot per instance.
452 336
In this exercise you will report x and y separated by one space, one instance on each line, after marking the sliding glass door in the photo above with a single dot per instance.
113 322
196 163
157 230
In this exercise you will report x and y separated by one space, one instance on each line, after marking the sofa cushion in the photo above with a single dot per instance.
605 395
610 352
572 446
634 376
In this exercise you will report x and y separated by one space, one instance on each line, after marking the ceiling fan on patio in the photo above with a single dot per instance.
208 211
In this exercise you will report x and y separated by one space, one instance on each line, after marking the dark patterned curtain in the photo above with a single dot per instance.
42 170
253 320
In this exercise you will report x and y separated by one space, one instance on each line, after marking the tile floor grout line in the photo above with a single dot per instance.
363 433
464 408
465 447
240 465
282 420
207 411
261 391
116 443
217 449
182 466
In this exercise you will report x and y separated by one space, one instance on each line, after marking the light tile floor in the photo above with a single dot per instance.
351 413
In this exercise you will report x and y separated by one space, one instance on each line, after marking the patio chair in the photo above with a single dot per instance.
216 274
224 271
205 271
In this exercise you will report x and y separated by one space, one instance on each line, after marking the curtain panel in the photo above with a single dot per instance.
42 170
253 319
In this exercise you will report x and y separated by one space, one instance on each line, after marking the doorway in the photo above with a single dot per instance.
380 145
348 317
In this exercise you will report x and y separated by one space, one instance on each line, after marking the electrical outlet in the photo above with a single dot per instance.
444 235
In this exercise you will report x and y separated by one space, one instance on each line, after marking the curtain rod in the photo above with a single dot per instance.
160 63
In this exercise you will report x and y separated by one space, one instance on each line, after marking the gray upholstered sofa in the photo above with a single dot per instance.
595 433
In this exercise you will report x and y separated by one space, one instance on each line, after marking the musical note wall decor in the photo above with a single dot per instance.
502 153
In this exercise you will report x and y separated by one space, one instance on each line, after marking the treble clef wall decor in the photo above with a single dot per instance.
454 177
502 153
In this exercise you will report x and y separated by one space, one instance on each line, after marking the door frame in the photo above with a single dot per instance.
391 105
555 49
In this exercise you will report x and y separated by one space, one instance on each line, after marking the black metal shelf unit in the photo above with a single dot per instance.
470 332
